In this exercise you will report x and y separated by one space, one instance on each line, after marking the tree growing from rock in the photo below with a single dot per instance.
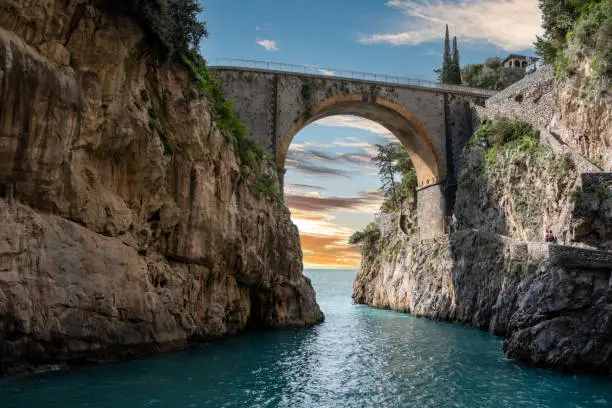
384 160
397 174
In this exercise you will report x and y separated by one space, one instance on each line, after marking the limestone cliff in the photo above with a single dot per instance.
127 225
553 303
552 314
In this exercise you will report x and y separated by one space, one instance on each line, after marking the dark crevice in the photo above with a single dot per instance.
256 320
156 216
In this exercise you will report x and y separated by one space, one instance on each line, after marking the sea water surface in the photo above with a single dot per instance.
360 357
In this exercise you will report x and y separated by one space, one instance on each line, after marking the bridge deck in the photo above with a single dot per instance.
353 76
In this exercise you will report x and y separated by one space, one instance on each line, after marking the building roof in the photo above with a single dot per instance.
514 56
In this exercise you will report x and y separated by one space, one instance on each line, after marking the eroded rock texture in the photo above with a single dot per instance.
126 225
551 315
554 311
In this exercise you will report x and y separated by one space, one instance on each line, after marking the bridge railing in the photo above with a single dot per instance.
342 73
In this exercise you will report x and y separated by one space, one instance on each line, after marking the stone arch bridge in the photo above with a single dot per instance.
432 121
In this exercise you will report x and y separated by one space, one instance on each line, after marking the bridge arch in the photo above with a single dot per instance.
426 156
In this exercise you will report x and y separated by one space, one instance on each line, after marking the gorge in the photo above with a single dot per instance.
135 218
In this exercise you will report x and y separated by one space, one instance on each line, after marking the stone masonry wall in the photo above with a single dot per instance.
431 207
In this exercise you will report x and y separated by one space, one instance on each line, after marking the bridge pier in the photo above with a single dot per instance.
431 210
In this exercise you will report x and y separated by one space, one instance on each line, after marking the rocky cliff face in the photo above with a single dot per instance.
126 223
553 303
552 315
576 114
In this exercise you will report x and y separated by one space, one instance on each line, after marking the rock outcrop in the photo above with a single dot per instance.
552 315
552 303
127 225
575 117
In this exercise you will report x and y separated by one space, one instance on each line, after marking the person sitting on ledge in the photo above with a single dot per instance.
549 236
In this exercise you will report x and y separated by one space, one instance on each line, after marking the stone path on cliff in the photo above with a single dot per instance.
562 255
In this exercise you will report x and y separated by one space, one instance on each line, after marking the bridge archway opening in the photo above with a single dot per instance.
332 187
427 158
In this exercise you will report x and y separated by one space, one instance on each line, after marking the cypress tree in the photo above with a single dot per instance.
446 75
456 68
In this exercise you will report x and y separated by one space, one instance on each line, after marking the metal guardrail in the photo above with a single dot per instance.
346 74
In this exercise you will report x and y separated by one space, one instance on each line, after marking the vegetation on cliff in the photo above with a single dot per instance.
171 24
511 183
490 75
575 29
507 141
174 26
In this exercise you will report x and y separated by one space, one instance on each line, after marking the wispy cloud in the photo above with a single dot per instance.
293 187
322 251
355 122
508 24
368 202
300 164
433 52
262 27
361 159
269 45
324 242
321 70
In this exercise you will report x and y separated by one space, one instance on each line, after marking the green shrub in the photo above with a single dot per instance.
233 129
366 238
267 187
504 131
171 24
503 135
573 29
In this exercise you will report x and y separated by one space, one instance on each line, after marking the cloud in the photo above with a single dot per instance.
329 252
508 24
304 156
299 146
293 187
355 122
324 243
326 71
321 70
433 52
263 27
299 164
269 45
367 202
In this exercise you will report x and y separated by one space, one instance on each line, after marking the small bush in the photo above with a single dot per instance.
367 237
267 187
504 139
504 131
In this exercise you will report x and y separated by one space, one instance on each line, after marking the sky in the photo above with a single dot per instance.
331 185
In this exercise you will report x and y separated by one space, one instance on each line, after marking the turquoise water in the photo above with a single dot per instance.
360 357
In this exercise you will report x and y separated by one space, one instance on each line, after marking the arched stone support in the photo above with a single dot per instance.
432 124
